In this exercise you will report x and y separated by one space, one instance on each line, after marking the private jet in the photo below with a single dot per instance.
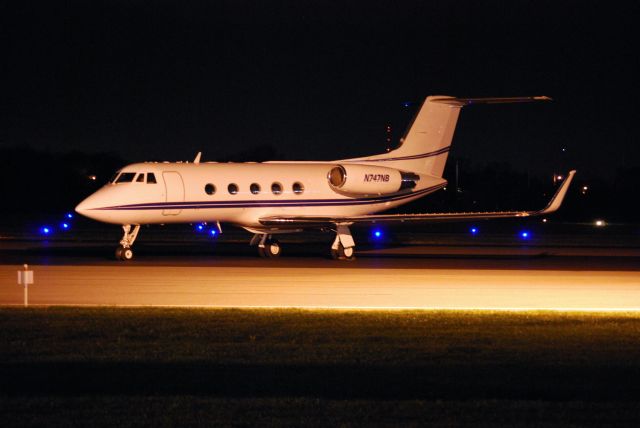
273 198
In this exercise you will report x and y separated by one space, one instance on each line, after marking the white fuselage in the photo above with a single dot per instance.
281 197
181 193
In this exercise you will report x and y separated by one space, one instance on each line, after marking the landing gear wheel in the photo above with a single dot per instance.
342 253
271 248
124 253
127 254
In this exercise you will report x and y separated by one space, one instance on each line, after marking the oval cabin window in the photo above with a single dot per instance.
233 188
297 188
255 188
276 188
210 189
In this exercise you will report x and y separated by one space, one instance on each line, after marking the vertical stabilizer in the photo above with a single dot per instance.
426 145
427 142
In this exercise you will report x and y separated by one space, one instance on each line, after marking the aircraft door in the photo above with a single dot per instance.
174 188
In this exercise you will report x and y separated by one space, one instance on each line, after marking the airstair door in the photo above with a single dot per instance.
174 189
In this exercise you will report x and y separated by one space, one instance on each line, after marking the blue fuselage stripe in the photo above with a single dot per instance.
271 203
412 157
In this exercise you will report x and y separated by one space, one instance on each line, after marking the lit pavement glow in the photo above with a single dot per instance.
325 287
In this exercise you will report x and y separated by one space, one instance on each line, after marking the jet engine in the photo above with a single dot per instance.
365 180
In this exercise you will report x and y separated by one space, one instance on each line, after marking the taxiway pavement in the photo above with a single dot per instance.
325 287
428 277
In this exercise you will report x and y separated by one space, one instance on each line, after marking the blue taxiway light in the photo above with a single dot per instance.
524 234
213 232
45 230
69 215
200 228
65 226
474 230
377 234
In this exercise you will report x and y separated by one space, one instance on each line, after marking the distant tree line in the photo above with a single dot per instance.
35 184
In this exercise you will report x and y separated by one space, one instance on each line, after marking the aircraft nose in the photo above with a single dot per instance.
83 208
88 207
95 207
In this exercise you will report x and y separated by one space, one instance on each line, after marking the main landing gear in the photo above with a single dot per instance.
343 247
268 247
124 251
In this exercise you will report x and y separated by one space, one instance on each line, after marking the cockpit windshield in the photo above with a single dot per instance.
129 177
126 177
114 176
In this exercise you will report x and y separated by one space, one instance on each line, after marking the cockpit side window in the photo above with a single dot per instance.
151 178
114 176
140 178
126 177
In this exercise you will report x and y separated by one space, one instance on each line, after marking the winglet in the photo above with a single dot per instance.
197 159
557 199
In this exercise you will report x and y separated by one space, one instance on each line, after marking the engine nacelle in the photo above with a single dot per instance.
363 180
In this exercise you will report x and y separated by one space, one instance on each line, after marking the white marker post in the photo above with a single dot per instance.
25 277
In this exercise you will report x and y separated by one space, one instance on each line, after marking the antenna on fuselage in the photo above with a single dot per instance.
197 159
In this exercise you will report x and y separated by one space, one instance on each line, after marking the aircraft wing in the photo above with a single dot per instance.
323 221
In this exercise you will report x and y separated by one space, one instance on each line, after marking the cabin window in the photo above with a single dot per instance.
255 188
126 177
151 178
233 188
210 189
276 188
140 178
297 188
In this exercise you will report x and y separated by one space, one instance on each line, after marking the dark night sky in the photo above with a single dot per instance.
320 80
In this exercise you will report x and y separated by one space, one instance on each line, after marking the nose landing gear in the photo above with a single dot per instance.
124 251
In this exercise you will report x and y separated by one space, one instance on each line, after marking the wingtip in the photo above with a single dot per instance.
558 198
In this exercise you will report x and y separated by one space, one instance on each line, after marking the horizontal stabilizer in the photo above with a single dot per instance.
469 101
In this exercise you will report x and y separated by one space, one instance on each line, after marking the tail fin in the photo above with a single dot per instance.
426 145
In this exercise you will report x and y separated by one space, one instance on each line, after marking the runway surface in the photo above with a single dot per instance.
326 287
418 276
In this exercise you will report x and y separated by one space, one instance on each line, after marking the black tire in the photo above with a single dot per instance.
347 253
127 254
124 253
272 248
343 253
